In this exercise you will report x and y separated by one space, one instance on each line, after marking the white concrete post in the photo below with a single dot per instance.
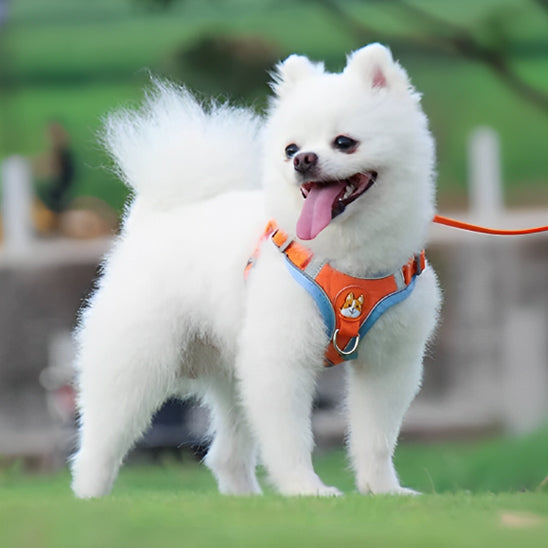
481 304
484 175
16 205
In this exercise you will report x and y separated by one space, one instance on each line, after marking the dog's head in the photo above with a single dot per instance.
347 151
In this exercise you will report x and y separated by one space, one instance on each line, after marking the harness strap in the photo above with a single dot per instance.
349 306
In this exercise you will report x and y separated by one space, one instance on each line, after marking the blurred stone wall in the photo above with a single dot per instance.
486 370
39 298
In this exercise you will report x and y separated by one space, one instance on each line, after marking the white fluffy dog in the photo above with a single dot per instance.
346 162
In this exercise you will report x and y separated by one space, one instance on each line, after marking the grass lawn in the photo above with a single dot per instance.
476 494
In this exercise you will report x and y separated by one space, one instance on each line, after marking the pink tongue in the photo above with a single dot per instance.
316 212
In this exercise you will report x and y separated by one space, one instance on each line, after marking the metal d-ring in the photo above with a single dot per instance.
345 352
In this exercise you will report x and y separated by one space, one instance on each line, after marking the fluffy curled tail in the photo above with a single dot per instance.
175 150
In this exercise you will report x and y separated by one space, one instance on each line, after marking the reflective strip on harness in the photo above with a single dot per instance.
318 294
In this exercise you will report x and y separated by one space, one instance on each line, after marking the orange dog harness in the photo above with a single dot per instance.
349 306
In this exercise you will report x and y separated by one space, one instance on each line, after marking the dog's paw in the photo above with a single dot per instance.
327 491
405 491
317 491
311 490
91 481
88 490
398 491
302 483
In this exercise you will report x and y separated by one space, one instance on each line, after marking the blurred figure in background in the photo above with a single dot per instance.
56 210
61 168
56 169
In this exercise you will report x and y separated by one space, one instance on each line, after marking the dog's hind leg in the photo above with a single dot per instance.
232 454
126 372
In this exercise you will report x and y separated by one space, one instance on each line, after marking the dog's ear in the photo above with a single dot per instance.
374 63
294 69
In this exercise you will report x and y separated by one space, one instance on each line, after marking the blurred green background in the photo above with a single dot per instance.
477 62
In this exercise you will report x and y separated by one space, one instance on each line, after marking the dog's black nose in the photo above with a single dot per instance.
305 161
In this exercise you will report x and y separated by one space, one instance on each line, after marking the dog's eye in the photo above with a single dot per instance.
344 143
291 150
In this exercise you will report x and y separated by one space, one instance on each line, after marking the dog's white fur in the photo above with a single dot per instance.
172 315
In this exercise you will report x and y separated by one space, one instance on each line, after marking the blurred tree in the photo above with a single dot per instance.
225 64
155 4
489 42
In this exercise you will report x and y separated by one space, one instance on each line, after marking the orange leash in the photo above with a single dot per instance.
447 221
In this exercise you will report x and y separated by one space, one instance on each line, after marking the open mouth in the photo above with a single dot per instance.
324 200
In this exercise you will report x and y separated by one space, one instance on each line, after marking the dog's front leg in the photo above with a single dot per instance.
377 402
383 385
380 390
281 352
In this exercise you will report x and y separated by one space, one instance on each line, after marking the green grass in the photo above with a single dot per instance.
476 494
203 520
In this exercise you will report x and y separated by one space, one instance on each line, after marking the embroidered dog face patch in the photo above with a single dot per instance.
351 306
